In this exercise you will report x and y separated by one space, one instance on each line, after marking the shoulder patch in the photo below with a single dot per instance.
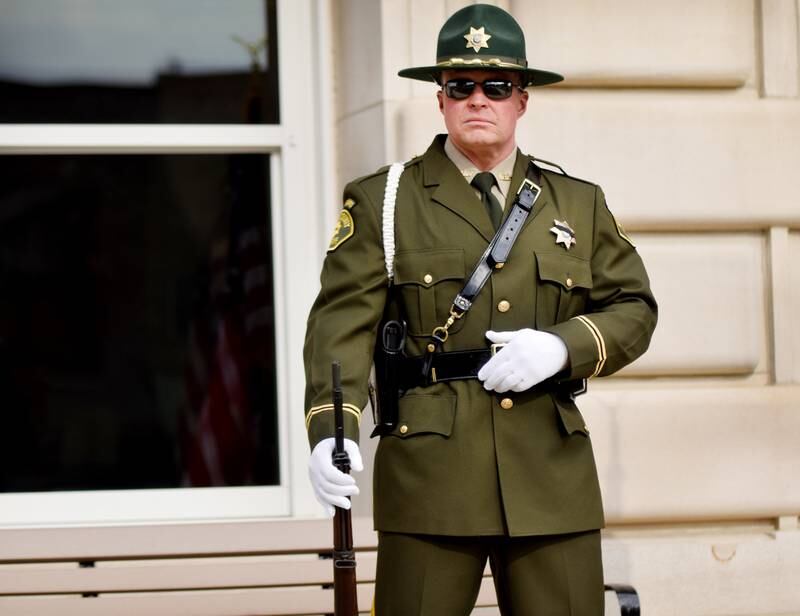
345 227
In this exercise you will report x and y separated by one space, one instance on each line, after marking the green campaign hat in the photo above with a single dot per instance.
481 36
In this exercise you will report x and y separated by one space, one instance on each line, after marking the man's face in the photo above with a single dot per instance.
477 122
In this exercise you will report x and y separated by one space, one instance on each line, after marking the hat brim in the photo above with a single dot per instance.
534 77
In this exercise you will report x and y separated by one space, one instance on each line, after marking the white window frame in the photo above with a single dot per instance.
300 150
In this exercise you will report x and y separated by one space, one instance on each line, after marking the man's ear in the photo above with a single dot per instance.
523 103
439 97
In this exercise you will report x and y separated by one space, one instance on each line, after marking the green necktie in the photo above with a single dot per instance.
484 182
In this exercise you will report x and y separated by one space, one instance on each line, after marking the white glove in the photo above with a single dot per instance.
332 486
529 357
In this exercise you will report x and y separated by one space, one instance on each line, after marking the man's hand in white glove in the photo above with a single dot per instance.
332 486
529 357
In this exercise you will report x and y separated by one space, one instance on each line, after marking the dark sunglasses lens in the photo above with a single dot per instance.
459 88
497 90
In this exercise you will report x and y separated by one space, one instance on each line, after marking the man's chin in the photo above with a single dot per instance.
480 139
479 128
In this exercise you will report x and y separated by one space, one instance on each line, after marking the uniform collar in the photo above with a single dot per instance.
502 171
451 191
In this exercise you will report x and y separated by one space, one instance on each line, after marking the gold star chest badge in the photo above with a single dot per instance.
477 38
564 233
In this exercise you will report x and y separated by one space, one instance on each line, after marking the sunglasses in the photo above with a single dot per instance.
493 89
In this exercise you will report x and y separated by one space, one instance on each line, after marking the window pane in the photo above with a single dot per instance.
136 322
115 61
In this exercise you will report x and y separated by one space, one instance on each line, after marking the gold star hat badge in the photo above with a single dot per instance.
477 38
564 233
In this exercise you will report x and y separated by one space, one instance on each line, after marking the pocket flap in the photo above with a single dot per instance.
564 269
427 267
424 413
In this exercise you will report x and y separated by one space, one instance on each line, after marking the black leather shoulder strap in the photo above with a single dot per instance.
496 254
494 257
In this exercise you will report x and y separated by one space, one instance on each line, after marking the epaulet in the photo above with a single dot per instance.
413 160
369 176
382 171
560 171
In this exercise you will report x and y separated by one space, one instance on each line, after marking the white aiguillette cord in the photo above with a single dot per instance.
389 202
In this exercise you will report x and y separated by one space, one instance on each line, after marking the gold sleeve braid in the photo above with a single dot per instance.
316 410
602 353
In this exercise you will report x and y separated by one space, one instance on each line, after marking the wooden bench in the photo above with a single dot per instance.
276 567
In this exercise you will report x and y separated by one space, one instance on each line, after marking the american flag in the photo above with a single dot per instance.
230 344
218 435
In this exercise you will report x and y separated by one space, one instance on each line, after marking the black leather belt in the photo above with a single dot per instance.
461 365
445 366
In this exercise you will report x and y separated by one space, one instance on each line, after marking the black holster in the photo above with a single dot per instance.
388 360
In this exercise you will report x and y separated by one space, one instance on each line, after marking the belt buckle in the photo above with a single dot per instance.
495 348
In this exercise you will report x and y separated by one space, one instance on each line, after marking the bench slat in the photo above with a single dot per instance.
293 601
274 536
176 574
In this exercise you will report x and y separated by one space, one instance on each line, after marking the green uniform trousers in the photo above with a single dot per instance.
429 575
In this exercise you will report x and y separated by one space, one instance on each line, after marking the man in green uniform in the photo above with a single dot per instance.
489 458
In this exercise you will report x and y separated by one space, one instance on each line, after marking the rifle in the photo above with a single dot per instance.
345 600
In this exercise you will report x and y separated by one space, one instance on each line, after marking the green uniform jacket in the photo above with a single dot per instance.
459 463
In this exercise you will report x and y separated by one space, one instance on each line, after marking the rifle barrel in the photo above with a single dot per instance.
338 411
345 598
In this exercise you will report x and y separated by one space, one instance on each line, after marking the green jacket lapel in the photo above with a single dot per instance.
452 191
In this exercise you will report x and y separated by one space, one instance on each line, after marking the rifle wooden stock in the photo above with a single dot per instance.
345 599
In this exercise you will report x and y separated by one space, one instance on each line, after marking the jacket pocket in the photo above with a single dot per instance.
563 289
571 419
425 414
428 281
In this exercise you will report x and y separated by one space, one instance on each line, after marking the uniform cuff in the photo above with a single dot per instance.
586 346
320 423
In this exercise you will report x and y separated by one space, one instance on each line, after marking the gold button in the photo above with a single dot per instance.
403 429
506 403
569 282
499 265
504 305
431 348
586 429
428 279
